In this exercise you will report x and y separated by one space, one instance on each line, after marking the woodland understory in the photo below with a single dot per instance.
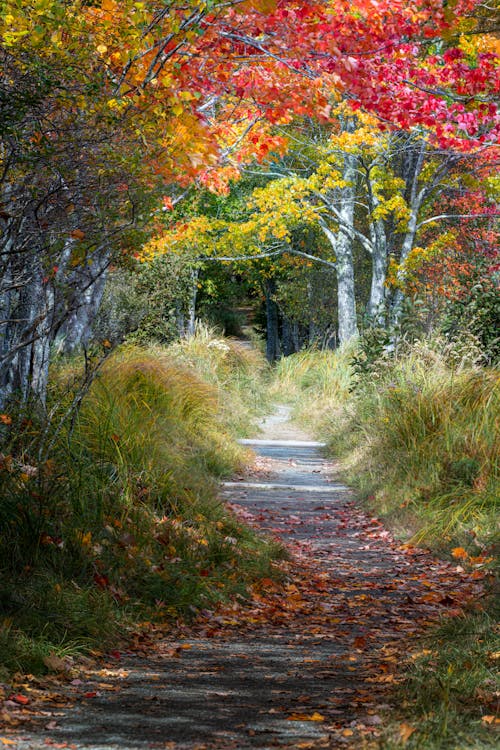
207 208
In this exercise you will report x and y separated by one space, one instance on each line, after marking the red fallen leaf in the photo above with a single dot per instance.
101 580
21 699
115 654
91 694
204 573
267 583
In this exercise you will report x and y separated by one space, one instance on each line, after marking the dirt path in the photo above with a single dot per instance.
310 664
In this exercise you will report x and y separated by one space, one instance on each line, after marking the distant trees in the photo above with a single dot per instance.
371 196
111 110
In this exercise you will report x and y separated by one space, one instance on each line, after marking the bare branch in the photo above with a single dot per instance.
456 216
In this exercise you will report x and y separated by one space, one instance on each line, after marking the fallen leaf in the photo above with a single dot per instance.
21 699
306 717
55 663
359 642
459 553
406 731
347 733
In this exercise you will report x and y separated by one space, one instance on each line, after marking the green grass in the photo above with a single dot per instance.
239 376
122 522
315 382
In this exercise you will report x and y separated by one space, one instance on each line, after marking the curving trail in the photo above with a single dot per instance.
310 664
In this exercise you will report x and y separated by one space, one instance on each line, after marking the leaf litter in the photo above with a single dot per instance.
309 660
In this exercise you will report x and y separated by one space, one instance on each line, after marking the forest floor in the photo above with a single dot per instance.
311 661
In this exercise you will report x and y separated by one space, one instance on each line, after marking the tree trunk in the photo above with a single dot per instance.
89 289
287 342
342 246
409 239
342 242
415 198
26 335
296 336
180 320
376 305
272 320
191 321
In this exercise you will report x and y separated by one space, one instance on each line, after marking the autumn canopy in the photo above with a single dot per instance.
112 109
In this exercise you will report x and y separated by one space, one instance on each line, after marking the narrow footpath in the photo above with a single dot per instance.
311 663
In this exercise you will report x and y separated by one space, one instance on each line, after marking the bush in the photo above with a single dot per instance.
477 311
422 435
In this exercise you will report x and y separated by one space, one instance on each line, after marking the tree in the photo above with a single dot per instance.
109 105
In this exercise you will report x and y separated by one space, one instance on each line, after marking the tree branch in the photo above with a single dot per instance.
456 216
273 253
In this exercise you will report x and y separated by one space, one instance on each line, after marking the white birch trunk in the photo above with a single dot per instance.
376 304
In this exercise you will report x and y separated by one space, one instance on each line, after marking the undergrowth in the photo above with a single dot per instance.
416 433
121 523
448 698
313 382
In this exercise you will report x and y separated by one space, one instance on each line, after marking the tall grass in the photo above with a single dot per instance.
418 435
237 373
314 382
122 522
424 444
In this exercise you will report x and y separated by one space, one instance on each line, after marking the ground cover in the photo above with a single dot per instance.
118 521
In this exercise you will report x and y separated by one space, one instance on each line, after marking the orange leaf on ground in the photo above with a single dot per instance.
406 731
306 717
459 553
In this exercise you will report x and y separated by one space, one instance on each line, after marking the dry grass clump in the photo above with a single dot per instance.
315 382
239 375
